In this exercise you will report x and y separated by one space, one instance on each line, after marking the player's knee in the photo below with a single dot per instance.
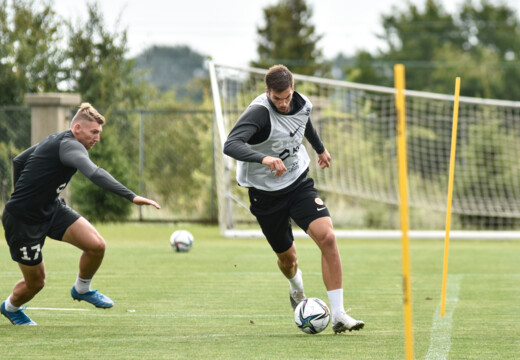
327 241
288 262
97 245
101 246
35 285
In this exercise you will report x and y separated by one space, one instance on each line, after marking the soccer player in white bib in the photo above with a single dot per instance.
266 141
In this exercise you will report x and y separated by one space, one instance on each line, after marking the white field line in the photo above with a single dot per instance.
440 340
136 313
133 312
54 309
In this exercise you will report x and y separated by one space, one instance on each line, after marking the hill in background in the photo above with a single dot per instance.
171 67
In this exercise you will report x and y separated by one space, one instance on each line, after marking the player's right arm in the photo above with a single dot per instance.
253 127
275 164
19 162
248 129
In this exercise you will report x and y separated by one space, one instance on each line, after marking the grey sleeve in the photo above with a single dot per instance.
19 162
74 155
251 122
314 139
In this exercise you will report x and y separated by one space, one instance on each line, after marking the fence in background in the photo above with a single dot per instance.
167 153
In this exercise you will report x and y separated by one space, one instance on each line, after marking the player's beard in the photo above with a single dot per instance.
285 109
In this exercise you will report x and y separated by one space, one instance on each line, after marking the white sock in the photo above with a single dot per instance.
336 301
82 285
296 282
9 306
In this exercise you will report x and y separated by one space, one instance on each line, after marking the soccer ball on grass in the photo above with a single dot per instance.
181 240
312 316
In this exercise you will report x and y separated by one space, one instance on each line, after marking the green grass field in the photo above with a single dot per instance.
227 300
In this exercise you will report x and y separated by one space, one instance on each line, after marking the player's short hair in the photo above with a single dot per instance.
87 112
279 78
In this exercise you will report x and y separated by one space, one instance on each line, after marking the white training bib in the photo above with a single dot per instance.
284 142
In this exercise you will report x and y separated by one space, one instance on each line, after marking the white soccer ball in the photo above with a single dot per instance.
312 316
181 240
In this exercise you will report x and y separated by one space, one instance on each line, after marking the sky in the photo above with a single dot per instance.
226 30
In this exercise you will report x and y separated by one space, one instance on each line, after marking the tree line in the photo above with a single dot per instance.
41 52
479 41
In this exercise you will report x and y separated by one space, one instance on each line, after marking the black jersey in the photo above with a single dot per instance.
44 170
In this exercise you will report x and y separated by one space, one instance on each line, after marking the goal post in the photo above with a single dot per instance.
357 124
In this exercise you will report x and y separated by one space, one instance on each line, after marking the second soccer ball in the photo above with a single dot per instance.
181 241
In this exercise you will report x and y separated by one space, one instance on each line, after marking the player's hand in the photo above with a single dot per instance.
324 159
139 200
275 164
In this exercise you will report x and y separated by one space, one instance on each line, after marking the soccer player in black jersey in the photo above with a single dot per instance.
36 211
266 141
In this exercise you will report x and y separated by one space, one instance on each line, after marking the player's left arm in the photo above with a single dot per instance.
314 139
324 159
250 124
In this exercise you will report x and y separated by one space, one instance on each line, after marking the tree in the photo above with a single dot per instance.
495 27
415 35
30 58
366 69
413 38
479 70
480 43
494 31
98 68
101 73
30 61
93 62
289 38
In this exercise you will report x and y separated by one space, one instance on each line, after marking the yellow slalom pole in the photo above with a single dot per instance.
450 194
403 204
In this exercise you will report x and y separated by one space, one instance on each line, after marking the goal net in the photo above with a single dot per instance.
357 124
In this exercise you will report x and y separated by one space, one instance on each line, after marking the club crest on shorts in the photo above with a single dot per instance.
318 201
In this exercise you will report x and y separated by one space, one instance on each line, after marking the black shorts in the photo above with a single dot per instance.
274 213
26 240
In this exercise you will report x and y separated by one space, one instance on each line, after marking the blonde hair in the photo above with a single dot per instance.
87 112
